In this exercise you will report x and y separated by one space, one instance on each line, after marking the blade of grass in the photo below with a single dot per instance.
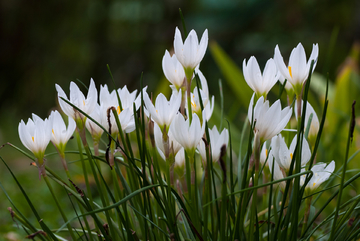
40 220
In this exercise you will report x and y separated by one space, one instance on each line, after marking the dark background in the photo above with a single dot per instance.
48 42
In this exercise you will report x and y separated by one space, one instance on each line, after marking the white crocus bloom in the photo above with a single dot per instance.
217 141
173 70
174 146
204 93
60 133
125 115
260 83
35 135
78 99
321 173
163 111
269 121
314 125
99 116
298 68
128 99
188 135
283 155
190 52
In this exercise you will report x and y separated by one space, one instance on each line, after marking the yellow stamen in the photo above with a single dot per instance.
314 184
291 155
84 102
193 104
53 132
290 71
32 138
266 152
118 110
157 111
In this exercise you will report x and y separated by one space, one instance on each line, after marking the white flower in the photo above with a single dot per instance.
126 115
60 133
128 99
163 111
217 141
260 83
188 135
191 52
270 121
174 146
314 125
35 135
99 115
298 68
78 99
321 173
173 70
283 155
204 93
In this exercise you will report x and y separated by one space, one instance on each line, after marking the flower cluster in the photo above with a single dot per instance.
179 123
177 128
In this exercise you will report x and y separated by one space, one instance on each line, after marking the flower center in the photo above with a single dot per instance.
32 139
118 110
193 102
291 155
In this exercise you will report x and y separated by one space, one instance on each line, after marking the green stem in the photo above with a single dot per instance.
188 92
59 207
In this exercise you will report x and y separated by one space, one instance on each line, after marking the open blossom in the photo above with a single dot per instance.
174 146
35 135
186 134
60 133
99 116
283 155
125 112
217 141
298 68
269 121
205 98
321 173
260 83
173 70
190 52
163 111
78 99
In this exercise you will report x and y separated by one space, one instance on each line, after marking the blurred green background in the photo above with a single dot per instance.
48 42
